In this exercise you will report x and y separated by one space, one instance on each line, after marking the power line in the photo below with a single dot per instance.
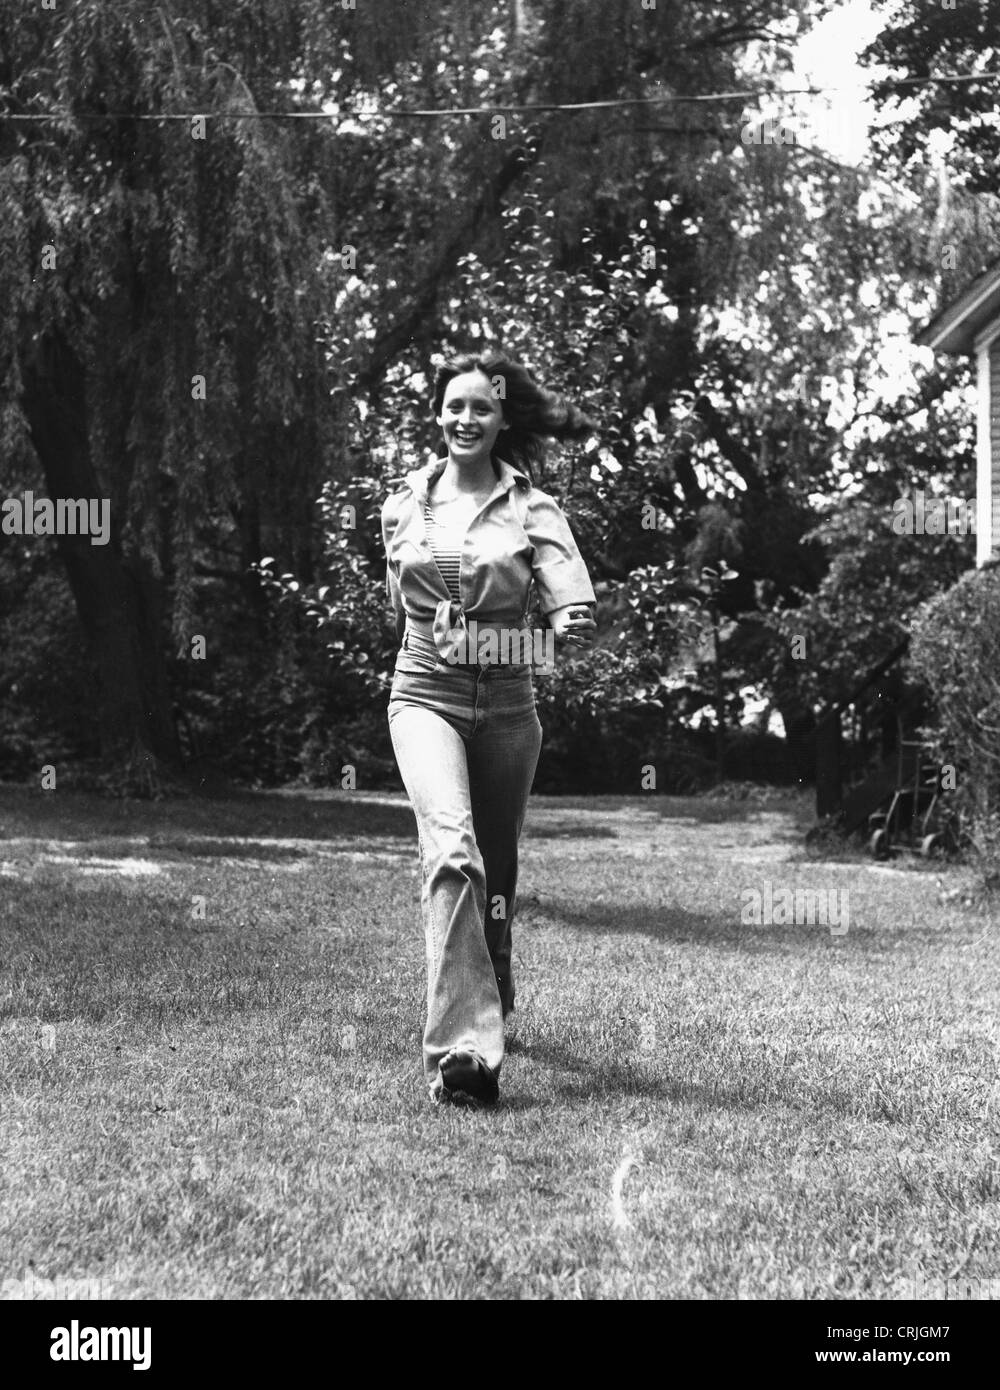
431 113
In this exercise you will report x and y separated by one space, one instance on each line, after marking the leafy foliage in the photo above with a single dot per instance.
710 303
955 650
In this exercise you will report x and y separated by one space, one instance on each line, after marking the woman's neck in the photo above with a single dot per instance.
472 479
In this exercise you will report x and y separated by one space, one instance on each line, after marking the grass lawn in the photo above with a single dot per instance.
210 1076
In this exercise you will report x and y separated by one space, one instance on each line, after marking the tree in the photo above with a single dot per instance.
924 39
716 304
709 299
161 277
165 275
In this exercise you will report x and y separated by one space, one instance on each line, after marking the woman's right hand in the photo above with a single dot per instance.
573 625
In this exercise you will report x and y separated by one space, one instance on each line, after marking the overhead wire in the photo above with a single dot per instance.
500 108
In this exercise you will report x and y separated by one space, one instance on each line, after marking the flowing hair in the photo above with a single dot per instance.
532 413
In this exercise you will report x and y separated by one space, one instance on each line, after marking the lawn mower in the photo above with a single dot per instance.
915 817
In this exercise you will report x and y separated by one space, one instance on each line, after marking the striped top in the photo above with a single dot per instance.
446 547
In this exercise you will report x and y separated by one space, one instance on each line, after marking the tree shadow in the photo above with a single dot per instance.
80 815
721 931
662 923
606 1079
712 811
706 810
184 848
571 830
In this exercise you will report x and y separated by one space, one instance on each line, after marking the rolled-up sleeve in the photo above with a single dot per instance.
557 566
392 590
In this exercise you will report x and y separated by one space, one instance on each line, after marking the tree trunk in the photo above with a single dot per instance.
828 761
117 600
800 737
720 700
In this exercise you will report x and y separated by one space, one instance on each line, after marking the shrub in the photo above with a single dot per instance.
955 651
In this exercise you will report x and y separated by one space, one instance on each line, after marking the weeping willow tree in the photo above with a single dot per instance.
161 276
171 253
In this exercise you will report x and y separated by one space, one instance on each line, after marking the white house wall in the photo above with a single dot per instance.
986 358
993 410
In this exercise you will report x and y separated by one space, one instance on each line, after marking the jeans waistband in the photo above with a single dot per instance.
424 627
490 642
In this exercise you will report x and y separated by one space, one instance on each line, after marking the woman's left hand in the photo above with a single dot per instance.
573 625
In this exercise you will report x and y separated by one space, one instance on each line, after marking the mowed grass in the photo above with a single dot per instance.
231 1105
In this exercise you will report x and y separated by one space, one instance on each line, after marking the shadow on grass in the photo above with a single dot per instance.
719 810
706 810
32 813
182 849
605 1078
324 814
674 924
572 830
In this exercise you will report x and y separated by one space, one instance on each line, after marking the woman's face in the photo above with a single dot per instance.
471 417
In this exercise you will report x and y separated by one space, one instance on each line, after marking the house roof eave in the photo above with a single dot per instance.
956 327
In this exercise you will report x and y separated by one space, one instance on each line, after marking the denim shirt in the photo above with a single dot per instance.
520 536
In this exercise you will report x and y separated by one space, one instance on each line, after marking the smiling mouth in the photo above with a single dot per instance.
467 438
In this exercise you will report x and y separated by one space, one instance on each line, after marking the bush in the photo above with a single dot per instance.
955 651
48 688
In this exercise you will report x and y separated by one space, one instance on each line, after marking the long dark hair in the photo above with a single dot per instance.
533 413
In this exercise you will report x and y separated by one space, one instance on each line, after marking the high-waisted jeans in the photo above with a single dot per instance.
466 740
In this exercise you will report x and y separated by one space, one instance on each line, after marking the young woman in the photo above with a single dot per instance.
465 538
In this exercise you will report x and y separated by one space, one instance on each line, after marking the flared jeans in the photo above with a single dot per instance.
466 739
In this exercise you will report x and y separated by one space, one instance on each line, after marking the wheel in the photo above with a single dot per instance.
931 845
879 845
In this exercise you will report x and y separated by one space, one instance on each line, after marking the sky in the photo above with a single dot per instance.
837 121
827 57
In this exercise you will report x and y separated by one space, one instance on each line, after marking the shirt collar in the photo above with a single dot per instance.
420 479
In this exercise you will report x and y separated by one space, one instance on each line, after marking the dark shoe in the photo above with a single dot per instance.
463 1073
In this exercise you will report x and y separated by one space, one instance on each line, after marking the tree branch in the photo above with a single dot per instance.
731 449
422 301
694 494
